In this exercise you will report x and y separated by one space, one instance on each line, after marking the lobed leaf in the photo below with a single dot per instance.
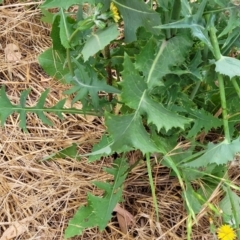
128 131
7 108
203 121
136 95
155 61
137 14
228 66
194 22
232 23
220 153
84 82
99 209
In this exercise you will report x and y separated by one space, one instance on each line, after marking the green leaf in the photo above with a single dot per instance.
232 22
99 209
186 9
220 153
7 108
228 66
53 63
71 152
99 40
203 121
47 17
104 142
194 22
136 95
137 14
232 38
155 61
194 68
192 197
64 3
164 4
227 207
23 99
66 29
55 35
189 22
128 131
84 82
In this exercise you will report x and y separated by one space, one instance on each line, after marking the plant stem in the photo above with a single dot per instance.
219 10
214 41
73 35
195 90
224 108
152 184
218 55
168 31
69 61
205 60
176 14
236 86
151 3
182 184
107 56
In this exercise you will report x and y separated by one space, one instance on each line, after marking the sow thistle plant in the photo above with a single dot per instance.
171 77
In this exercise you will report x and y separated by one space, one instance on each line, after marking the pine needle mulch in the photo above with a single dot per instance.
37 198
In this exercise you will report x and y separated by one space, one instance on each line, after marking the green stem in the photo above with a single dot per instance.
107 56
83 25
219 10
205 54
152 185
173 166
224 108
69 61
73 35
195 90
218 55
168 31
205 60
176 14
214 41
236 86
151 3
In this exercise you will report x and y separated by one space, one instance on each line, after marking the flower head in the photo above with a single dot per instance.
114 11
226 232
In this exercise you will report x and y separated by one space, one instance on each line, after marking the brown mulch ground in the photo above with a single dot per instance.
38 198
